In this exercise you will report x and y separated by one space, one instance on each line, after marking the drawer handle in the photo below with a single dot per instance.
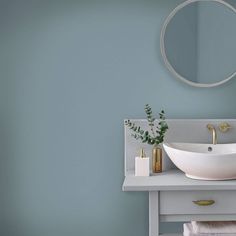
204 202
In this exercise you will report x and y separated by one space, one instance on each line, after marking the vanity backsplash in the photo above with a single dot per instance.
180 130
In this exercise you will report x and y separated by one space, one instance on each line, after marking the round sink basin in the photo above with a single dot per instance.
204 161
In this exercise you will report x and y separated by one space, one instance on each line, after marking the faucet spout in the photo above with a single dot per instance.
214 134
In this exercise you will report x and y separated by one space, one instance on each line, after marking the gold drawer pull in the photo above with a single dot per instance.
204 202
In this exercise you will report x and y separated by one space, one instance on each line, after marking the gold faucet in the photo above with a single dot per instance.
214 135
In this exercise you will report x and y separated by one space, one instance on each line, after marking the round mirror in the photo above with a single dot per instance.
198 42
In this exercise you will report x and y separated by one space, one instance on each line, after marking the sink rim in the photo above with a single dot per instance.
179 146
204 165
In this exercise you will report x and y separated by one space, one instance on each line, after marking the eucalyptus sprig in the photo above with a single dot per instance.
156 136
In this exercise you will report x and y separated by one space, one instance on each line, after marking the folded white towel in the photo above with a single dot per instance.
217 227
188 231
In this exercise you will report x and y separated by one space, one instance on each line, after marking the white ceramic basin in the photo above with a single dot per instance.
204 161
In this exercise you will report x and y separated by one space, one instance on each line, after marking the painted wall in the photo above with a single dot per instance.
70 72
181 42
216 42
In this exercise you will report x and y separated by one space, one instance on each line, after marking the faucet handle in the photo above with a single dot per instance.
224 127
210 127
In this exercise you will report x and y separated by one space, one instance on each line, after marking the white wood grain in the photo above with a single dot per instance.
154 213
181 202
173 180
188 217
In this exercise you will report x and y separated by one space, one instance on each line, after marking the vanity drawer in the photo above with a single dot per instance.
197 202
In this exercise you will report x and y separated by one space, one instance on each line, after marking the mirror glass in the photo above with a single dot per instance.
199 42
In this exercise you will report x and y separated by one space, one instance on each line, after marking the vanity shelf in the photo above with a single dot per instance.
172 180
172 198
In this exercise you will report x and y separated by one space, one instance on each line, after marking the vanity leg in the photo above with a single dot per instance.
153 213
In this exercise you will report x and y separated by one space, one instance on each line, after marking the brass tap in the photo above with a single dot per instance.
214 135
224 127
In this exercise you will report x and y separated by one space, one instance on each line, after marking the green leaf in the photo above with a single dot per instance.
157 134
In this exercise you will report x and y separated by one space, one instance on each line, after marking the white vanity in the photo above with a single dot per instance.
172 196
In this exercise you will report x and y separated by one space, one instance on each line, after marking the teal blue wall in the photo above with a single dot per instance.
181 42
70 72
216 42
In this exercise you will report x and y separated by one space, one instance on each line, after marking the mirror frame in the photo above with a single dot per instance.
163 51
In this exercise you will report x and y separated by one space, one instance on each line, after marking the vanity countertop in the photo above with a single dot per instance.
173 180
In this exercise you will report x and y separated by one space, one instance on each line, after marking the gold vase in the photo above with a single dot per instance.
156 159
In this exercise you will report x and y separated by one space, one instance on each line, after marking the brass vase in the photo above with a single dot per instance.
156 159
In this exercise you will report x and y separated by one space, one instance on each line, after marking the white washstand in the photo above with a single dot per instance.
173 197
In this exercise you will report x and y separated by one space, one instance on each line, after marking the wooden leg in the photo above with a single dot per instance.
153 213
